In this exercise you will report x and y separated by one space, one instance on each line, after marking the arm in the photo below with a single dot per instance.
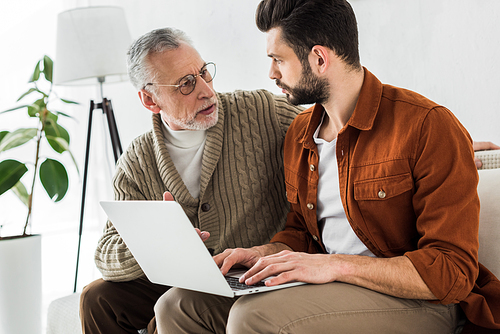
446 205
112 257
393 276
484 145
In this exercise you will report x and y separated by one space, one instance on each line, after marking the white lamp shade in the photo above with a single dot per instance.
92 43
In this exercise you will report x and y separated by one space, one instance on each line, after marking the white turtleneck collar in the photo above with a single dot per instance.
183 138
185 148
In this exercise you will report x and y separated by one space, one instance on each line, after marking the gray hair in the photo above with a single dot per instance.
139 70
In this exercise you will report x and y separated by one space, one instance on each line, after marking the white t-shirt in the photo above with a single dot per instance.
186 150
338 236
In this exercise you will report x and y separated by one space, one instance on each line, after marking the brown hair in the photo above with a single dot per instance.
306 23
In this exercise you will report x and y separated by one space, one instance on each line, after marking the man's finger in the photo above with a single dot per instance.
204 235
227 264
167 196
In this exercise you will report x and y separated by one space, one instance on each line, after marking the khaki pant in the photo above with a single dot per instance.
119 307
312 309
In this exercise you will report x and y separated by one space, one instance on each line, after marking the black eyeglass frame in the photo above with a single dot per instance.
189 79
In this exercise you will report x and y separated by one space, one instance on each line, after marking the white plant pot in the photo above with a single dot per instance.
21 285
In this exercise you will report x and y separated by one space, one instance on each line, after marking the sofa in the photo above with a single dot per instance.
63 313
489 216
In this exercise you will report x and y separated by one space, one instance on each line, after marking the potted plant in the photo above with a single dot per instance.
22 252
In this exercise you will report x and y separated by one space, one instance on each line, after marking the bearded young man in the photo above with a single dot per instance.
384 209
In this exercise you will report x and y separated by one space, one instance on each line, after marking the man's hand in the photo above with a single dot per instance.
246 257
483 146
290 266
204 235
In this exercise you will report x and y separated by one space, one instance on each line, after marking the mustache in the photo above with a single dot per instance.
207 104
281 85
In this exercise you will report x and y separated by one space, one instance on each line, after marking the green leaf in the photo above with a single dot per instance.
31 90
20 190
11 171
59 113
57 143
48 65
36 73
40 103
74 160
12 109
33 110
53 131
65 146
3 134
17 138
51 117
69 102
54 179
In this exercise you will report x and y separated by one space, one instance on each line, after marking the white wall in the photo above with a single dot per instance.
444 49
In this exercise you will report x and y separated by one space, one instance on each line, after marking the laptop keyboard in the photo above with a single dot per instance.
236 285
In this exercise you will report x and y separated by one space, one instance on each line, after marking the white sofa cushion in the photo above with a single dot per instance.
63 315
489 219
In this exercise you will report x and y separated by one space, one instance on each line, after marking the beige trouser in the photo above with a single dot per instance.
328 308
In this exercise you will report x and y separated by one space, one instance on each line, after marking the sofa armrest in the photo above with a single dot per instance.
490 159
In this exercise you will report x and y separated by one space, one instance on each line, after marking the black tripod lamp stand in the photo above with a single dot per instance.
107 110
92 43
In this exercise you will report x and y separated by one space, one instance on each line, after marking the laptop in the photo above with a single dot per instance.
163 241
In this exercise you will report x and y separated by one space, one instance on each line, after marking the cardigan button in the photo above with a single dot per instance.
381 194
205 207
310 206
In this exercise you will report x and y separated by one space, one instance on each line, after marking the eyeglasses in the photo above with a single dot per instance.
188 83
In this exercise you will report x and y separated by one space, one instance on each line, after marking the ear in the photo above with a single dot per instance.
319 59
148 101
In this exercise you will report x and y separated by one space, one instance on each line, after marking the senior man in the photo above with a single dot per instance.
217 154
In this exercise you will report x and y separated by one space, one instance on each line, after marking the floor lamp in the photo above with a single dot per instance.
91 49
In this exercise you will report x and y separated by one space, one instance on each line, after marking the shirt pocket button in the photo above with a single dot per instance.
381 194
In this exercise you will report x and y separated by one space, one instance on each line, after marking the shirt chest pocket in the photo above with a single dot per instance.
385 205
382 189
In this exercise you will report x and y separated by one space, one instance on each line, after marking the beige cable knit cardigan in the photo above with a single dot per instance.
242 200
